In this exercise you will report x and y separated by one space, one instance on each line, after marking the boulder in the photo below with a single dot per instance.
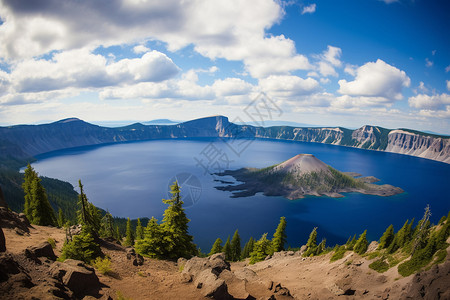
74 274
181 261
42 250
372 246
138 260
130 252
216 263
11 219
2 241
211 285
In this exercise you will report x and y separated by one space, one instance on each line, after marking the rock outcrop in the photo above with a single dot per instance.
11 219
74 274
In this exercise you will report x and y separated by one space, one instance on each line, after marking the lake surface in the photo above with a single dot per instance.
130 179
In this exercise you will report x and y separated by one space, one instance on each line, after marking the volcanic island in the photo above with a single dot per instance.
300 176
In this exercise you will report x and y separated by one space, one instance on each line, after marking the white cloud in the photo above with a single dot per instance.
350 69
332 55
426 102
376 79
288 86
349 102
309 9
326 69
325 80
231 87
421 88
140 49
82 69
428 63
328 60
448 85
233 30
447 69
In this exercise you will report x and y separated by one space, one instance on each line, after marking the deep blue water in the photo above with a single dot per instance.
130 180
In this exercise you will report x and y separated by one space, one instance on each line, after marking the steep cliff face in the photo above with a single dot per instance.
404 142
23 141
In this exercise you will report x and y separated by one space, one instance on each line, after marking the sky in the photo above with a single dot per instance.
327 62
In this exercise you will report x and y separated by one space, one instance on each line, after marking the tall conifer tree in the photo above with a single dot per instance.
236 246
279 237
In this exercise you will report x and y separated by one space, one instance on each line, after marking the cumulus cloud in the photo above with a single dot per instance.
350 69
448 85
82 69
328 60
428 63
231 87
376 79
309 9
288 86
233 30
140 49
426 102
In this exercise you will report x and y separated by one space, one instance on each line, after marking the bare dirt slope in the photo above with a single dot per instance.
305 278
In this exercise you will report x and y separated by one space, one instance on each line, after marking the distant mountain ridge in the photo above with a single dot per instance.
26 141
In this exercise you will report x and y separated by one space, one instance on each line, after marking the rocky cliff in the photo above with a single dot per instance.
24 141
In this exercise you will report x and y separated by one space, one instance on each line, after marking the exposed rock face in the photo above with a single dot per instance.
2 241
431 284
405 142
24 141
11 219
216 263
42 250
78 277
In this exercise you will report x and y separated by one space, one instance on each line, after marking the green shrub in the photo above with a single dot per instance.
103 265
82 247
338 254
120 296
52 242
440 256
379 265
373 255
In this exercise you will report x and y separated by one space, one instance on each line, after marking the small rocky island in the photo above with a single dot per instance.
300 176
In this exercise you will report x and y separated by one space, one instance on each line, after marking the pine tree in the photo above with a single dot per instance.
279 237
82 247
216 247
261 249
422 232
387 237
361 244
400 238
175 225
351 242
61 218
227 249
248 248
321 247
311 245
42 212
153 244
107 228
129 237
118 235
83 217
236 247
29 176
139 230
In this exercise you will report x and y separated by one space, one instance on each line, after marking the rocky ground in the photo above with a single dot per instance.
28 271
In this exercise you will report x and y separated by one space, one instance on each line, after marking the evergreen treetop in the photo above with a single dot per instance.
279 237
361 244
227 249
216 247
236 247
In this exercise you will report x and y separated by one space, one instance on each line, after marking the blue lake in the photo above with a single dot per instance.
130 179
